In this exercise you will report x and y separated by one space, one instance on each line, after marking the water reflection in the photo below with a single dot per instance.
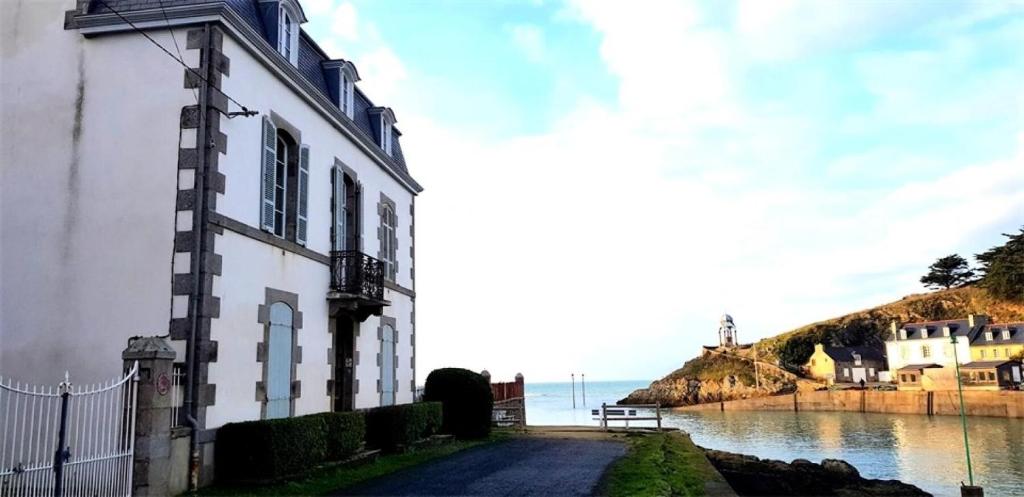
925 451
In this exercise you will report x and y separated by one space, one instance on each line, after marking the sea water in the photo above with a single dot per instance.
926 451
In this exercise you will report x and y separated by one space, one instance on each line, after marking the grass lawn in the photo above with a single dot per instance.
322 481
663 464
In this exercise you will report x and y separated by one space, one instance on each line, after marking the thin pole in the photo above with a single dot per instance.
583 383
963 417
573 375
60 454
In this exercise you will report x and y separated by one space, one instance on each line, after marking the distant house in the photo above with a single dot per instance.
845 364
921 377
998 342
930 342
990 375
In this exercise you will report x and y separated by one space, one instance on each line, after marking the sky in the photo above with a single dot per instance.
604 179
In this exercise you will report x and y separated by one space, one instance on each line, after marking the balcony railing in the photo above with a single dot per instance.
355 273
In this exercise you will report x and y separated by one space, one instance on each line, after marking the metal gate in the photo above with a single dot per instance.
68 440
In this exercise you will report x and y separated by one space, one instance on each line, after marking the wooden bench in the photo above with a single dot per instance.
626 413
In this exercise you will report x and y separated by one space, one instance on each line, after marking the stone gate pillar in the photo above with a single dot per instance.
151 465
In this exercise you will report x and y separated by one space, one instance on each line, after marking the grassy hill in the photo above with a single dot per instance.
871 326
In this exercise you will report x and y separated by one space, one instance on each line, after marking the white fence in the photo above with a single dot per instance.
68 440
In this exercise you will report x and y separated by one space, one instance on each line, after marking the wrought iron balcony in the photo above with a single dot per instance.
355 275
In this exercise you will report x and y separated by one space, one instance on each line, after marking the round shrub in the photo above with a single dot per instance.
466 401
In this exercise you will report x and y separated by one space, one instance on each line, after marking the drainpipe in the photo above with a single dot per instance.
199 220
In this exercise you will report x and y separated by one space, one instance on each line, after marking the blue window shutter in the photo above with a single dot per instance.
300 231
269 175
279 361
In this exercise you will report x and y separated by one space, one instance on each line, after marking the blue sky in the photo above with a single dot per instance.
605 178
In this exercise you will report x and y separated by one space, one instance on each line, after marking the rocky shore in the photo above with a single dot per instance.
749 475
714 377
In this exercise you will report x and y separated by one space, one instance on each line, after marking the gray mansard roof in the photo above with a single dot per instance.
311 56
933 329
1016 334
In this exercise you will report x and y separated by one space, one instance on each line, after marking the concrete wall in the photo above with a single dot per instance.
87 192
1007 404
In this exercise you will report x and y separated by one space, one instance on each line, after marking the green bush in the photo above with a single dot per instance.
467 400
346 432
393 427
270 449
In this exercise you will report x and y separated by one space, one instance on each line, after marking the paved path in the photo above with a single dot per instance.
519 467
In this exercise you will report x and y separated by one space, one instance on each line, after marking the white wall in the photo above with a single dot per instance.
941 352
86 210
250 266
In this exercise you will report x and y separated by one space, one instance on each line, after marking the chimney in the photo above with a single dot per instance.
819 347
977 320
893 327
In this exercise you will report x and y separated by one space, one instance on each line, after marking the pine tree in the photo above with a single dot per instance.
1002 268
947 272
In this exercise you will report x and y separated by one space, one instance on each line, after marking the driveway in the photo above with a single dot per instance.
519 467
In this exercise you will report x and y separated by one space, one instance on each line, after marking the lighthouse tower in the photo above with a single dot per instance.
727 332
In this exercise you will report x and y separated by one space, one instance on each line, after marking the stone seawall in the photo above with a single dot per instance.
1002 404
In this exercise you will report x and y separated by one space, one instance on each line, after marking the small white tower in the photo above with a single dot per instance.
727 332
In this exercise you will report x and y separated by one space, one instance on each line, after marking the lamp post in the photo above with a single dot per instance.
573 376
971 490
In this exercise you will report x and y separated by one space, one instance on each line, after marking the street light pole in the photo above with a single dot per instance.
573 376
963 417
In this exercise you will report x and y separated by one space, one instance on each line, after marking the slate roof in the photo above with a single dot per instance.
985 364
1016 334
310 59
845 354
915 367
933 329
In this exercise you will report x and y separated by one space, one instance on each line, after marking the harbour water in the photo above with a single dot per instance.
922 450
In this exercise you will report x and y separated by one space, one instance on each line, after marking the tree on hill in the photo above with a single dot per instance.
1002 268
948 272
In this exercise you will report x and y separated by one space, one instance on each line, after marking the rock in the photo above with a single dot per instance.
749 475
840 468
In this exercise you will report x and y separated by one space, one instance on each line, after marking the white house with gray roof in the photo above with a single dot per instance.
930 342
233 188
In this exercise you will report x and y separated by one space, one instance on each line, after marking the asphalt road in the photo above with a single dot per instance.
519 467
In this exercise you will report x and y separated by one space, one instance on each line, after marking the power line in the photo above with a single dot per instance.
170 31
245 110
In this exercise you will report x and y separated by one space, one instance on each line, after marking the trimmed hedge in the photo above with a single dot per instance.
273 449
467 400
346 432
270 449
393 427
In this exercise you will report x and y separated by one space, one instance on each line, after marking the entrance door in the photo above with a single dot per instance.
344 363
859 374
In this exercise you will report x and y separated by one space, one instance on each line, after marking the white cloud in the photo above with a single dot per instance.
344 22
530 40
615 238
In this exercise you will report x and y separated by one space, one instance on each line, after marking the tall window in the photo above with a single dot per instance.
345 208
346 99
385 138
281 186
926 351
284 184
389 250
387 368
287 34
279 361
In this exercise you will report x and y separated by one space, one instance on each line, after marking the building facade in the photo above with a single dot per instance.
845 364
238 192
930 342
996 342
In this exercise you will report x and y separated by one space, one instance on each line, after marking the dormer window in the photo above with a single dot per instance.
385 129
283 18
903 333
988 336
945 331
1006 334
343 74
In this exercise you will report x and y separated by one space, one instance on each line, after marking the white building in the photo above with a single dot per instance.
923 355
138 197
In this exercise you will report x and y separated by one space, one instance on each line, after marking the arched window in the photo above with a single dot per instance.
387 366
279 361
